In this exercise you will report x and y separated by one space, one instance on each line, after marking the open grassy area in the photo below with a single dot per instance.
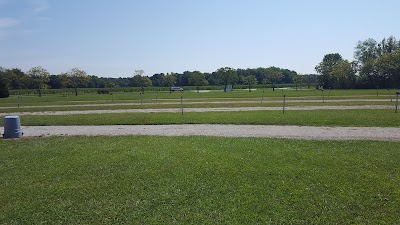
357 118
59 99
198 180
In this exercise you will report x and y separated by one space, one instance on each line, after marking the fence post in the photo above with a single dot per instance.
182 104
284 101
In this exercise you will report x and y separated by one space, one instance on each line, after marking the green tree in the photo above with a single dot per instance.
325 68
226 76
169 80
17 78
273 75
343 74
388 67
77 78
4 92
197 79
39 77
250 80
140 80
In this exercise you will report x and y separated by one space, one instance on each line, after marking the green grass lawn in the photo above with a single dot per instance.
198 180
346 118
62 99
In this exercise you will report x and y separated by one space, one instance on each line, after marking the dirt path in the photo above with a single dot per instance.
223 109
266 131
176 102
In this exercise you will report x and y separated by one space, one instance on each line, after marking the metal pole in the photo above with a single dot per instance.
397 100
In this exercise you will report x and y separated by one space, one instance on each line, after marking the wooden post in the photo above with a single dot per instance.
182 104
284 100
262 98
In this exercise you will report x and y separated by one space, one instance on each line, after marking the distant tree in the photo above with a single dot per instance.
298 79
273 75
39 77
197 79
157 79
226 76
169 80
17 78
78 78
374 59
139 80
4 92
250 80
326 67
388 67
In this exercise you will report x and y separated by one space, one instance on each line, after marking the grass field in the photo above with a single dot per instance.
345 118
198 180
60 99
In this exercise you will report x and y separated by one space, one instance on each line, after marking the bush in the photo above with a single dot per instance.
103 91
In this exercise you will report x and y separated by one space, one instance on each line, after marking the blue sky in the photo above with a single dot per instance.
114 38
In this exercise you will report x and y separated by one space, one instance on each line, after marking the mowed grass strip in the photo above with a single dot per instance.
198 180
345 118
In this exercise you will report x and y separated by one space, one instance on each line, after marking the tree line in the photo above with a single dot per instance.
39 78
375 65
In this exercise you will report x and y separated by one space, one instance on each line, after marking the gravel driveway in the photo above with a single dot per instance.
222 109
266 131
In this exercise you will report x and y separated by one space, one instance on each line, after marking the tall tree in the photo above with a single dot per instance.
326 67
78 78
197 79
388 67
273 75
169 80
40 77
140 80
250 80
226 76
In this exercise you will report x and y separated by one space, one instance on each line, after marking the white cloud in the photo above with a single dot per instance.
8 22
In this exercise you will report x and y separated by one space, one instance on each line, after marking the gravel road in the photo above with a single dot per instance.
222 109
266 131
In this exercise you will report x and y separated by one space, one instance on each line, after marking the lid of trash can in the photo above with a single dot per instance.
11 117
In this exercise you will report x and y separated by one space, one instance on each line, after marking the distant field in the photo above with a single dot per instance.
198 180
121 97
